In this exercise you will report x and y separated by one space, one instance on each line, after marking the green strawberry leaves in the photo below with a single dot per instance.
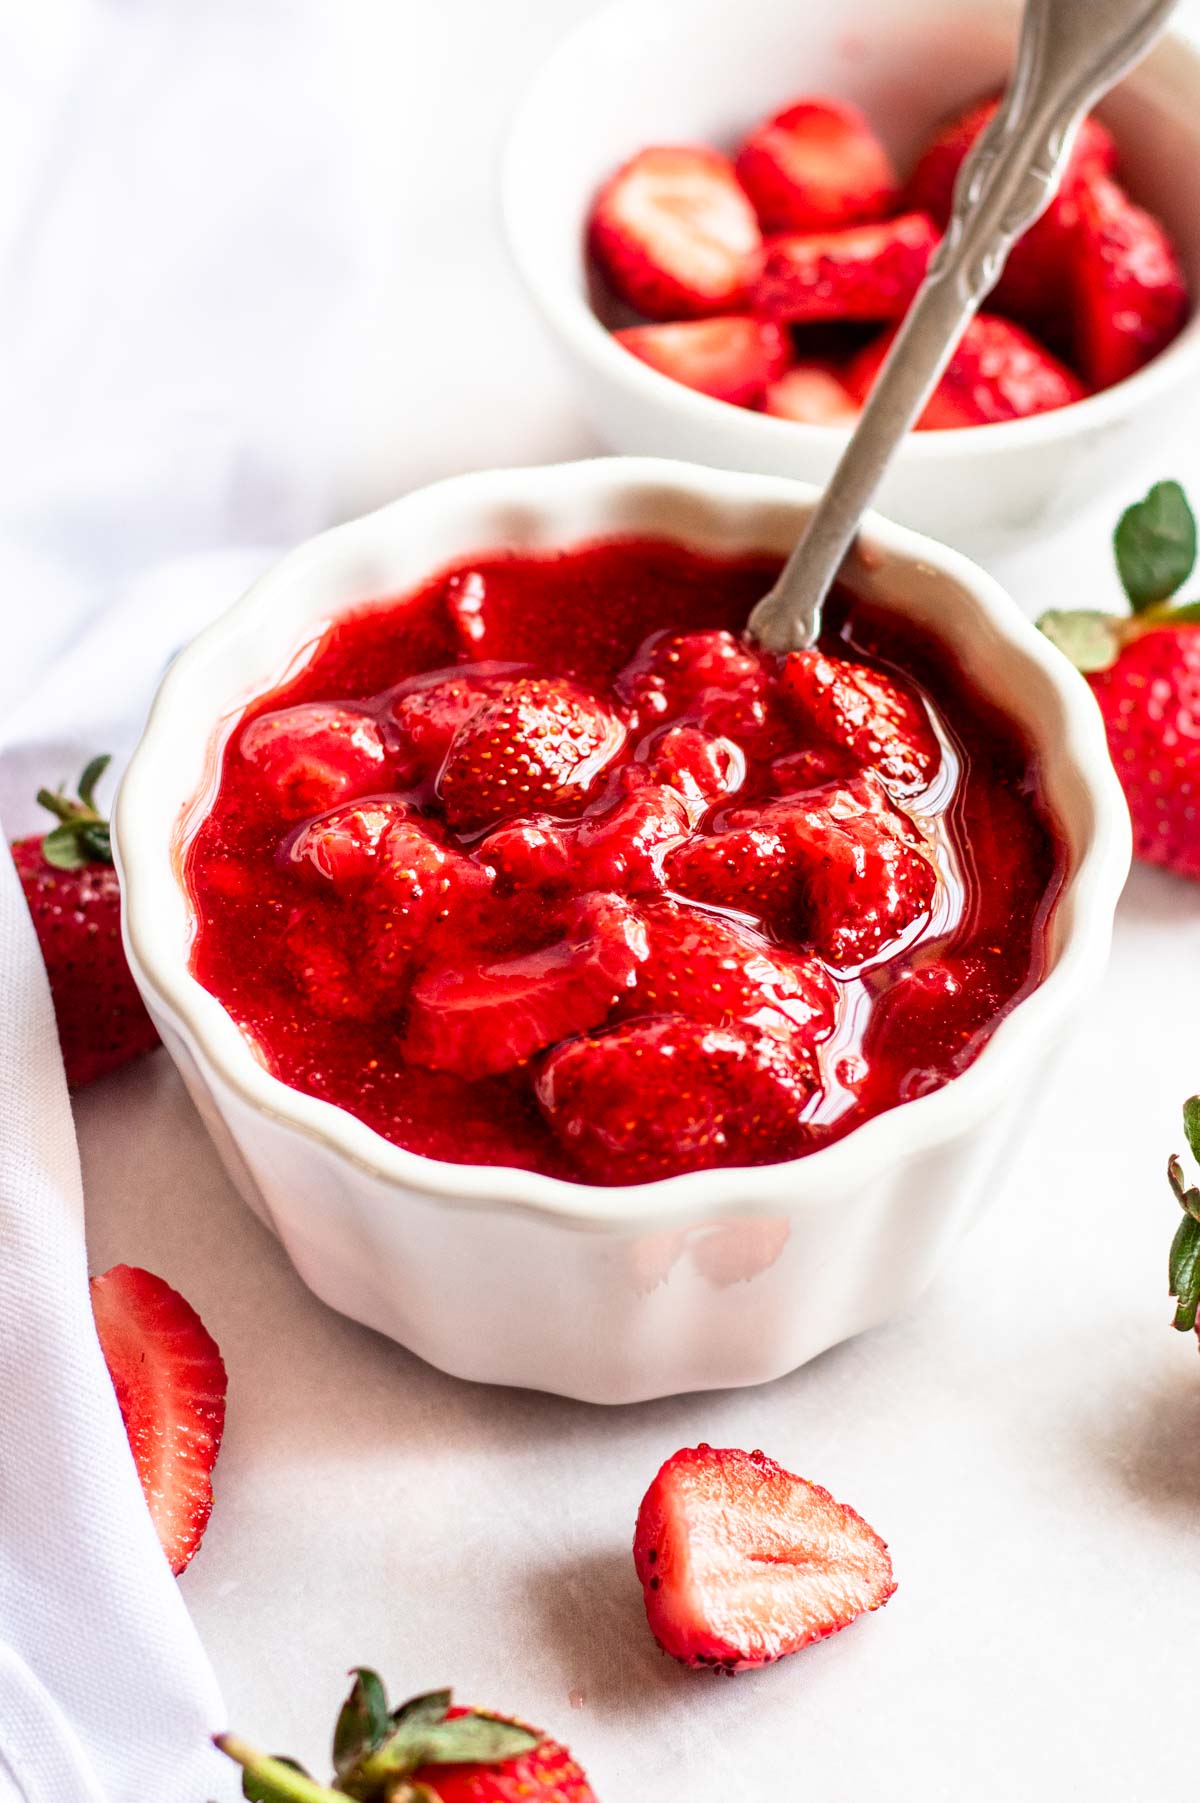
376 1749
1155 549
1155 545
1184 1268
82 835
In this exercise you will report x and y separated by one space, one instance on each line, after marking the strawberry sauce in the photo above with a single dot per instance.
519 881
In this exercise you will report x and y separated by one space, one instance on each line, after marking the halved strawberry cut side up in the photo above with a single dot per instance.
742 1562
479 1021
814 165
866 712
731 359
861 272
675 234
998 372
170 1385
1130 293
316 755
811 394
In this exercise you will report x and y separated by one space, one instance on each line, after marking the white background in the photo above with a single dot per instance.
1027 1439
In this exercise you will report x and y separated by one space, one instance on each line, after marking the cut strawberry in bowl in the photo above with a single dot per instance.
675 234
732 359
998 372
813 394
540 742
313 757
742 1562
1130 294
860 272
870 714
814 165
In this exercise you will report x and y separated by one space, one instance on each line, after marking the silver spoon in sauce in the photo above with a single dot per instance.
1070 53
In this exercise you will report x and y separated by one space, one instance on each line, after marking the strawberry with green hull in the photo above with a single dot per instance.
743 1562
1184 1272
170 1384
74 897
424 1751
1144 670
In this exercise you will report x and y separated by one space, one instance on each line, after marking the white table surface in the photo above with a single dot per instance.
1027 1438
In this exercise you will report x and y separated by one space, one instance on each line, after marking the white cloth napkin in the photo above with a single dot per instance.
181 260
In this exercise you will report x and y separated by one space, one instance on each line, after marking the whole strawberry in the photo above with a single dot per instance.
422 1752
74 897
1185 1247
1144 670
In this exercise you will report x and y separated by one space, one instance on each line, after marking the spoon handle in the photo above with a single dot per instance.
1070 52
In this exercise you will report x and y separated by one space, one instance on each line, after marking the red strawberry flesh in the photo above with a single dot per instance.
539 743
816 164
731 359
861 272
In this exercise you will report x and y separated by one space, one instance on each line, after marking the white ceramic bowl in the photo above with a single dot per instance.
664 71
710 1279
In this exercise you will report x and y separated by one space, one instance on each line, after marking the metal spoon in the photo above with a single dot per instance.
1070 52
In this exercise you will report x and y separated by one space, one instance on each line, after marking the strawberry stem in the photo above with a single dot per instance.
82 834
269 1780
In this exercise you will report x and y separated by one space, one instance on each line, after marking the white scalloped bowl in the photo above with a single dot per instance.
677 71
715 1278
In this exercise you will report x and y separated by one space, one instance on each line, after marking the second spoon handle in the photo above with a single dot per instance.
1070 51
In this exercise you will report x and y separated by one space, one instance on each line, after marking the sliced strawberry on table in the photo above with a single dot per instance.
316 755
998 372
732 358
539 743
813 394
860 272
816 164
742 1562
871 714
170 1385
712 970
675 234
1130 293
422 1751
651 1098
477 1018
74 897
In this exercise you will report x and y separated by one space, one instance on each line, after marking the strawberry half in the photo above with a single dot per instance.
423 1751
675 234
868 713
742 1562
477 1021
1130 292
429 713
712 678
732 358
931 185
74 897
316 755
998 372
1184 1268
539 743
816 164
170 1384
812 394
861 272
651 1098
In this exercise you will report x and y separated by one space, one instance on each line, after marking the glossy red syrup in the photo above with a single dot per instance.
542 866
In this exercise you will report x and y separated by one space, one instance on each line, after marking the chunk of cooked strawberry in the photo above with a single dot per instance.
652 1098
861 272
170 1384
711 970
811 767
711 677
418 887
674 233
322 963
998 372
931 186
699 765
344 847
624 847
429 713
1130 292
839 865
932 1022
529 854
742 1562
539 743
732 358
479 1018
813 394
871 714
814 165
316 755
